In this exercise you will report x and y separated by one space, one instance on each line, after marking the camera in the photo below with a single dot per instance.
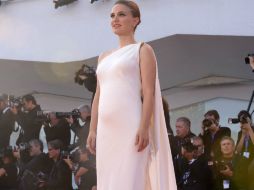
207 123
74 155
249 58
45 115
86 76
23 146
220 165
14 102
243 118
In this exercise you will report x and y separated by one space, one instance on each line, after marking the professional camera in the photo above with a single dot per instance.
207 123
14 102
23 146
220 165
44 115
249 58
74 155
243 118
86 76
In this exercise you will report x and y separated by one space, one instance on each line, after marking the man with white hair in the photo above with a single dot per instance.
81 126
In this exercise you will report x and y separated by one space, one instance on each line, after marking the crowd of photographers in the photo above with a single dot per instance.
212 160
25 166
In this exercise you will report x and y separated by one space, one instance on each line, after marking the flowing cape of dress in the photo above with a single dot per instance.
161 169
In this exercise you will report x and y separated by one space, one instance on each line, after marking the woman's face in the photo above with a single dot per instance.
122 20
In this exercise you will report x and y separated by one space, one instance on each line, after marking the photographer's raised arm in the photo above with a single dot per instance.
246 130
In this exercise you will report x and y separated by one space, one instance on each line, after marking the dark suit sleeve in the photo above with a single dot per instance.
63 174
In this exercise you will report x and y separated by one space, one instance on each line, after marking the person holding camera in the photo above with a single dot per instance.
37 169
231 168
57 128
85 174
8 171
245 142
28 119
81 126
60 177
7 121
183 134
212 133
195 173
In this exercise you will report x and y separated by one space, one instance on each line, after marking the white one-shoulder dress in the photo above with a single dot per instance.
119 165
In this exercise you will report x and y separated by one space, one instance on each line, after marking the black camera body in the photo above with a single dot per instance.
220 165
207 123
242 118
74 156
45 115
14 102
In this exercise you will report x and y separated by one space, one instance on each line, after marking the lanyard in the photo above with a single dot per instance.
246 143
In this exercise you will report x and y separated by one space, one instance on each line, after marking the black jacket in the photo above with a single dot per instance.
7 121
60 177
30 124
213 144
196 176
60 131
81 131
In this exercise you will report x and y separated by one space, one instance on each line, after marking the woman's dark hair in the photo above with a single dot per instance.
133 7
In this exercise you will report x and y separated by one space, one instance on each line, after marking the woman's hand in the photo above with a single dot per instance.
142 138
91 142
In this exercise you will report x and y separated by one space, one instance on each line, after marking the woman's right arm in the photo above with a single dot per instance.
91 140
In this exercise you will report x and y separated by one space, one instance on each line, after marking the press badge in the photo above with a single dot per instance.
246 155
226 184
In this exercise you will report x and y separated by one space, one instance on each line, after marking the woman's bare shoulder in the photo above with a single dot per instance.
146 49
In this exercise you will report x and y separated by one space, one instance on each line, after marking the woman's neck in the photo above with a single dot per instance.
126 40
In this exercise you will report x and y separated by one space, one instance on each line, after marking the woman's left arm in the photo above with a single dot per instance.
148 75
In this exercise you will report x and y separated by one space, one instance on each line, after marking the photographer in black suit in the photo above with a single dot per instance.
7 121
60 177
57 128
81 126
36 169
28 119
212 133
195 173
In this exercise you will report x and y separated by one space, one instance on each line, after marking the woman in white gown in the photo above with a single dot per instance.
128 134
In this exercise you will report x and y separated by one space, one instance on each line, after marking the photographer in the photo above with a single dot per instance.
28 119
7 121
57 128
212 133
195 175
37 169
183 134
8 171
60 177
80 126
85 175
230 169
245 140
